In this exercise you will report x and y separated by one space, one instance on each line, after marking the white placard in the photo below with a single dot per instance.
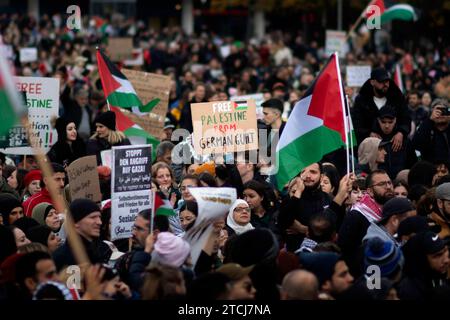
357 75
28 55
43 104
130 187
213 204
335 41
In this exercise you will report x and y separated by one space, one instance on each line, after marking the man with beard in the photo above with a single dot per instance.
358 219
377 92
297 210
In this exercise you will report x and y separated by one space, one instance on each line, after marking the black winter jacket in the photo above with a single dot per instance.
365 111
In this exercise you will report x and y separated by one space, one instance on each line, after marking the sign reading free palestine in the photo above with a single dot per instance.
42 100
224 126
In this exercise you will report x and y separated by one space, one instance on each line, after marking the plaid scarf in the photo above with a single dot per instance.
368 208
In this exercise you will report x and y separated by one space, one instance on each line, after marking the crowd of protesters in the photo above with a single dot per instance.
315 239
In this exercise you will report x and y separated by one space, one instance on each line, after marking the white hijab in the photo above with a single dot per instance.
233 224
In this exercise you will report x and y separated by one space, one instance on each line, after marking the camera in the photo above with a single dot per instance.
445 111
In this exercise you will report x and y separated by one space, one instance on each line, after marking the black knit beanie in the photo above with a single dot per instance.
80 208
108 119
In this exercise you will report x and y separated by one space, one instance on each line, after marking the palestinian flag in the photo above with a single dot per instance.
118 90
134 133
370 12
398 78
240 105
162 206
316 125
11 105
401 11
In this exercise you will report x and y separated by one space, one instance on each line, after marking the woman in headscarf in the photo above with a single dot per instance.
10 209
45 236
46 215
371 152
238 219
10 175
69 146
106 135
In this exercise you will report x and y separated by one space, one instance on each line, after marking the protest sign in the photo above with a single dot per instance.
225 51
213 204
42 100
83 179
106 156
130 187
150 87
224 126
137 58
28 55
7 51
120 48
335 41
259 99
357 75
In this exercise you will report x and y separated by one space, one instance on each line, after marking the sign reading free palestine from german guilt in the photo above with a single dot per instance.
224 126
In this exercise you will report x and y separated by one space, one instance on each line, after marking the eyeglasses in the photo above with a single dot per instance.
382 184
242 209
137 228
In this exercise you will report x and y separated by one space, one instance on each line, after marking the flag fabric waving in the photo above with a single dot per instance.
370 13
316 126
400 11
134 132
162 206
118 90
11 104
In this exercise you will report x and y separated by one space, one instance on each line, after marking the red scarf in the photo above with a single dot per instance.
368 208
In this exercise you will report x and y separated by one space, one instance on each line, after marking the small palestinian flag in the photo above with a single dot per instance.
240 105
162 206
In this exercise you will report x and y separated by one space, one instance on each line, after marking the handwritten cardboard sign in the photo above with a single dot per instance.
224 126
259 99
150 87
120 48
83 179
